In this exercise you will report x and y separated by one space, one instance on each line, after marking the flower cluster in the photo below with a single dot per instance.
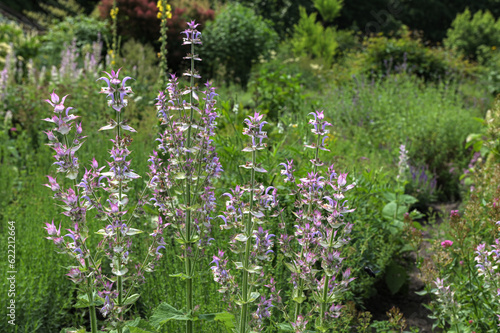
185 165
248 207
85 195
320 233
164 11
403 162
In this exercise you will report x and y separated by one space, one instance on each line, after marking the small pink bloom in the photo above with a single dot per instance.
13 129
446 243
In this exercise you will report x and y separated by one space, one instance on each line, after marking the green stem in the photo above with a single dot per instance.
300 289
249 231
325 286
90 291
118 234
90 295
187 262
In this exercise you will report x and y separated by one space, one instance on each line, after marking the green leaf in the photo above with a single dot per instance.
407 199
407 248
83 301
395 277
253 296
166 312
226 318
291 267
182 276
131 299
120 272
133 231
241 238
139 325
180 175
285 327
389 211
421 293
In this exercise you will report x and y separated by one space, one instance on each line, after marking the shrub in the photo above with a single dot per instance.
82 28
277 93
25 45
310 38
235 40
471 35
407 53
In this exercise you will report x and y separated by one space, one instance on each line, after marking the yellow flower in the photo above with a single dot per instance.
169 8
113 13
493 48
159 15
169 15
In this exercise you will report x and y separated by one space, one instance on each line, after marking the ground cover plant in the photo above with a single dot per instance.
286 204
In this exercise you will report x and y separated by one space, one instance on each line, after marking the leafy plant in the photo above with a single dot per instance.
471 35
235 40
311 39
328 9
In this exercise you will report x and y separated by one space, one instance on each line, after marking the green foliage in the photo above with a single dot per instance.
282 14
140 60
24 44
328 9
311 39
235 40
382 55
84 29
54 10
277 93
372 118
474 36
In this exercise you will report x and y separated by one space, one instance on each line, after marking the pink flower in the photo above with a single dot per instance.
446 243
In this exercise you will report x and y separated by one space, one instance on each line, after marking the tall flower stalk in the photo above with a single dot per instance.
110 292
320 233
74 243
186 165
247 209
164 14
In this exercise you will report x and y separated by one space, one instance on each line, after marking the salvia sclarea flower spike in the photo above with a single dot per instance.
72 241
251 242
185 165
320 233
117 234
84 196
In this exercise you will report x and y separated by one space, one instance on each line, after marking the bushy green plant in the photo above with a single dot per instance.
24 44
473 36
373 117
311 39
383 55
328 9
84 29
277 93
235 40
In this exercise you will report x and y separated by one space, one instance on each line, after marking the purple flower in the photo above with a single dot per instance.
52 230
54 101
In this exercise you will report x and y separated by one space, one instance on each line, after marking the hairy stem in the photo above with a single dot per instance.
249 231
189 280
90 291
